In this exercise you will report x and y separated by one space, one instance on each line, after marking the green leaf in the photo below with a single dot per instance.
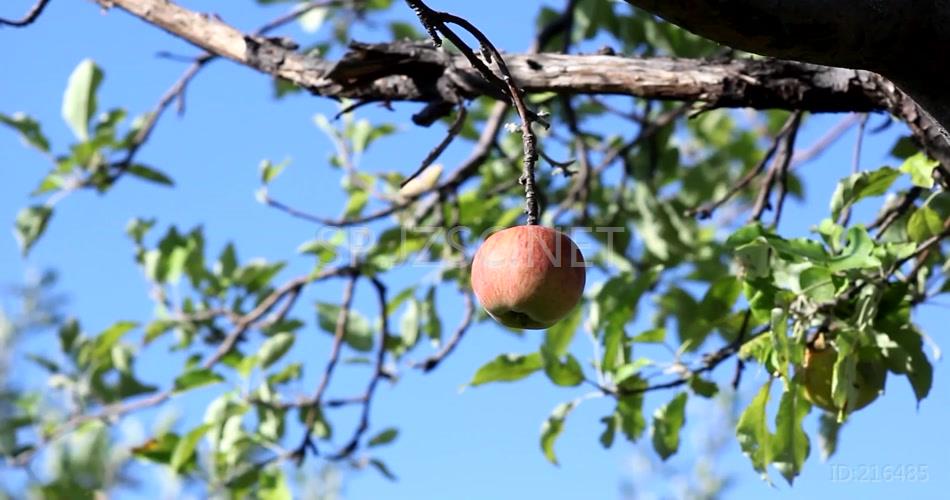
185 448
611 423
861 185
385 437
43 362
273 485
290 373
552 428
845 372
613 307
227 262
790 445
668 420
382 468
920 168
79 100
30 224
358 334
29 130
778 328
924 224
150 174
430 315
703 387
557 339
409 325
275 347
159 449
355 204
857 255
158 328
68 333
403 31
507 368
270 171
565 374
110 336
753 433
630 410
816 284
904 354
652 336
324 251
196 378
828 428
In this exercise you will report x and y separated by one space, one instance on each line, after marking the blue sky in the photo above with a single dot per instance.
478 443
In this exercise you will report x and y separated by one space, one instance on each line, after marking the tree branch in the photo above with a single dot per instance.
31 15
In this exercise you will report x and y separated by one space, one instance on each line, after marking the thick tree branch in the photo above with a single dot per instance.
383 71
418 72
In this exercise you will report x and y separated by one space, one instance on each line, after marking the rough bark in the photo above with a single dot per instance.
404 71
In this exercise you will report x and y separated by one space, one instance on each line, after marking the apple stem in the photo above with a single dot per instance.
532 208
435 23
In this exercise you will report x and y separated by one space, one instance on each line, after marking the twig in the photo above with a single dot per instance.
433 361
435 24
580 188
706 210
378 374
823 143
740 364
291 288
710 362
313 404
779 164
845 216
450 135
359 104
784 164
32 15
295 13
176 91
894 212
923 252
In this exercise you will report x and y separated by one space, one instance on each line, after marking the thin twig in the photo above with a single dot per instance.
291 288
706 210
32 15
450 135
779 164
825 141
784 164
740 364
313 404
378 374
430 363
845 217
436 24
895 211
709 363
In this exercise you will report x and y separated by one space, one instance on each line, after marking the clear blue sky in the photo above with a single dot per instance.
481 443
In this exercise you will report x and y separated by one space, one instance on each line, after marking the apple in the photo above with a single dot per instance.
528 276
818 370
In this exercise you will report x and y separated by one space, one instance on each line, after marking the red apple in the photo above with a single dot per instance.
528 276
